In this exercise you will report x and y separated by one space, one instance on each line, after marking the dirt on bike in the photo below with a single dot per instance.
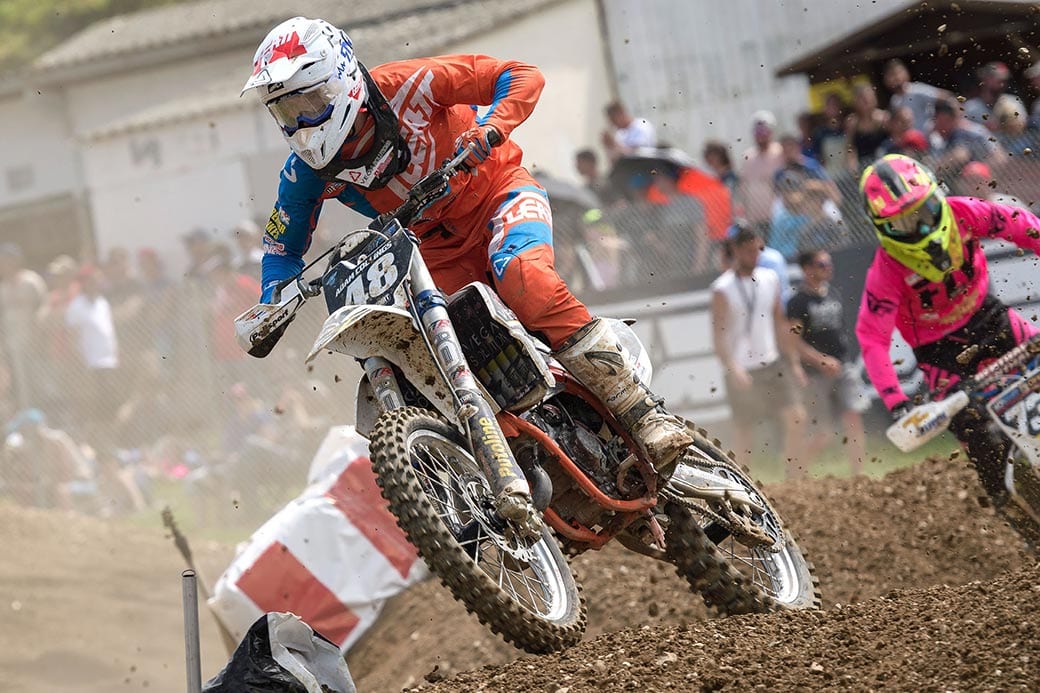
1003 400
498 464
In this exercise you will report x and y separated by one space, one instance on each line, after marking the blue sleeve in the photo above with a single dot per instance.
501 91
288 232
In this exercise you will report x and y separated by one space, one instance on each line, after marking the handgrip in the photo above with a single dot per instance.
925 422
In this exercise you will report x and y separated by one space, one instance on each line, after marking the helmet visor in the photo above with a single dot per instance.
305 108
914 225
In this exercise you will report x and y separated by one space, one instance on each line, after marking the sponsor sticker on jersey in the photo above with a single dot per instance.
277 224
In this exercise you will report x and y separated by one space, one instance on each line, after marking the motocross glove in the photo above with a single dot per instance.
900 410
483 138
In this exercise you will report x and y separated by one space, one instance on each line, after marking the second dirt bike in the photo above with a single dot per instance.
1004 397
497 462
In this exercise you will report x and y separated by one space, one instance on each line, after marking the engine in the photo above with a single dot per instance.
576 428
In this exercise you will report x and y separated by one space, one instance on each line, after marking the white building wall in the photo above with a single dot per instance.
148 188
564 42
37 156
100 102
699 68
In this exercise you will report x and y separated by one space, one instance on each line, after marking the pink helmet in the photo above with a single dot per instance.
894 185
911 216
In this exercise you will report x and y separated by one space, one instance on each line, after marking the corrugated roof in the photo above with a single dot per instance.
172 25
419 33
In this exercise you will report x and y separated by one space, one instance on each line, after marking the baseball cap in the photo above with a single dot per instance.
763 118
994 69
914 139
977 169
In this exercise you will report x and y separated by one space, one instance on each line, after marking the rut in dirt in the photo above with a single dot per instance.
928 525
982 636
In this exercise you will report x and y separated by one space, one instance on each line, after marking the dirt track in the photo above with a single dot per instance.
870 541
101 607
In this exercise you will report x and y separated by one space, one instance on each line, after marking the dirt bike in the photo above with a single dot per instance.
496 462
1004 397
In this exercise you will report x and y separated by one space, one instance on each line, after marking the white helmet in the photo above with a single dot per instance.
306 74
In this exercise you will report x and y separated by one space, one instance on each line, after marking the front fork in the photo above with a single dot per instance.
487 441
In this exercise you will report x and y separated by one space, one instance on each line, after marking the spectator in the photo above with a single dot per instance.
199 244
1032 73
1012 133
795 161
993 78
249 247
57 342
769 258
817 317
44 467
123 292
828 139
23 295
976 180
89 318
716 157
160 320
602 250
677 238
751 339
233 293
761 162
865 128
954 141
805 134
629 133
587 164
903 138
919 97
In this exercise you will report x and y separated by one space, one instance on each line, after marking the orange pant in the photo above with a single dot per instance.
517 254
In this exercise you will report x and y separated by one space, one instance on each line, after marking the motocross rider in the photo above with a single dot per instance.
363 138
929 280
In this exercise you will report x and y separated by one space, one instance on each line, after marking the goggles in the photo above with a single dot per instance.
916 225
306 108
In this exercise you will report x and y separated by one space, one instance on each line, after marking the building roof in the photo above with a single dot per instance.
203 22
422 31
937 28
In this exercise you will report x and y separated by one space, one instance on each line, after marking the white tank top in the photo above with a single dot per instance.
750 334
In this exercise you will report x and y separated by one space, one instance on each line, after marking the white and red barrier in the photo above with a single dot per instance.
332 556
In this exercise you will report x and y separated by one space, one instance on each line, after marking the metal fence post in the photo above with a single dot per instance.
192 654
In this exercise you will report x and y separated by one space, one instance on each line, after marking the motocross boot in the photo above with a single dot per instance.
595 356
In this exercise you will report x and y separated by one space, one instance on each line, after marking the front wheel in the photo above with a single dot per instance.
741 561
522 589
995 458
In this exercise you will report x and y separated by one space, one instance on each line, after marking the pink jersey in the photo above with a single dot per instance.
894 296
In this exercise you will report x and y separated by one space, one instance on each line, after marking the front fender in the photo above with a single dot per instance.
389 332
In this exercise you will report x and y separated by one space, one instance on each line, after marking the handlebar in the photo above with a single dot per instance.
425 191
428 188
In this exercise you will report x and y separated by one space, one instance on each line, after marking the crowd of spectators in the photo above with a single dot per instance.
121 358
797 188
790 199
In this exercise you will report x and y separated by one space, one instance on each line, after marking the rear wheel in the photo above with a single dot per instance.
740 560
522 589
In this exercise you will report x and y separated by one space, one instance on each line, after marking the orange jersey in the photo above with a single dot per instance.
435 100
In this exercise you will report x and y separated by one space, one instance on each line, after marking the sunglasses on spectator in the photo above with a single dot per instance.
823 264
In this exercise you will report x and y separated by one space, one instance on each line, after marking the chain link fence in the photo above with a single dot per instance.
181 415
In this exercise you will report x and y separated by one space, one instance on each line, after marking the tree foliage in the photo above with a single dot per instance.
29 28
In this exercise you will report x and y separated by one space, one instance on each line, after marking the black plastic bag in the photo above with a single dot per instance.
282 653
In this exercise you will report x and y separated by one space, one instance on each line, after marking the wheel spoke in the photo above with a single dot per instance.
452 481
